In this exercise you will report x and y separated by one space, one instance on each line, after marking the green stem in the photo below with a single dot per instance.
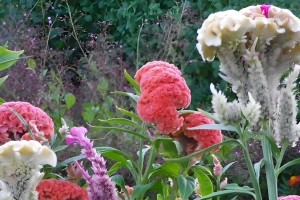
152 156
218 186
141 157
254 180
270 172
249 164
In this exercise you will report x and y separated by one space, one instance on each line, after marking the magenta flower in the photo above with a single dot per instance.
100 184
265 9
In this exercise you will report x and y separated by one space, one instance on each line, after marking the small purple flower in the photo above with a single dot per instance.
100 184
265 9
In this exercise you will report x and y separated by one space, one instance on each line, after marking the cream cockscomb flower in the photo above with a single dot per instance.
264 42
20 164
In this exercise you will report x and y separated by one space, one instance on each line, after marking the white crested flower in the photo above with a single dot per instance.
226 112
20 164
252 111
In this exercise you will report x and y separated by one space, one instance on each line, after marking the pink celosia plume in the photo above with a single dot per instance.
163 92
100 184
11 127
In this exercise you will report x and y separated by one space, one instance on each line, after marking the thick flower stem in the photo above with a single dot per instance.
279 160
252 173
250 167
270 171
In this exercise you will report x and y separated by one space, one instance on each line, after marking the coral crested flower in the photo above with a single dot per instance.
290 197
164 91
100 184
198 139
11 127
52 189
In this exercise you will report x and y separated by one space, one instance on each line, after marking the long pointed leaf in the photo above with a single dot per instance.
121 130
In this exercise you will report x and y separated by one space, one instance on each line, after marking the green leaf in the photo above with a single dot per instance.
201 152
214 127
166 170
132 82
132 96
8 57
257 167
31 63
70 100
130 114
289 164
2 79
201 168
1 101
115 168
119 180
113 154
186 187
120 121
205 184
226 192
207 114
139 190
169 148
227 167
70 160
122 130
60 148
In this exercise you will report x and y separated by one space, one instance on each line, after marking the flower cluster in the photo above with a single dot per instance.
12 128
58 189
164 91
290 197
100 184
20 164
255 45
194 140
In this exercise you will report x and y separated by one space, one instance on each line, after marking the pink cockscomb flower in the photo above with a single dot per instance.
265 10
52 189
164 91
11 127
197 139
290 197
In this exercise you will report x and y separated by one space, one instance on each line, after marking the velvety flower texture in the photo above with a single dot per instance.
163 92
290 197
100 184
52 189
11 128
199 139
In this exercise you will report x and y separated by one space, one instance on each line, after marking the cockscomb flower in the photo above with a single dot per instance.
163 92
100 184
194 140
11 127
20 164
255 54
290 197
57 189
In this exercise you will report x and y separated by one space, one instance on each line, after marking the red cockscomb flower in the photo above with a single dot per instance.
11 128
51 189
194 140
163 92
